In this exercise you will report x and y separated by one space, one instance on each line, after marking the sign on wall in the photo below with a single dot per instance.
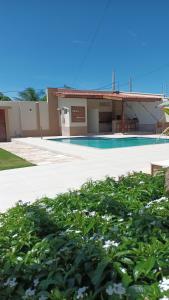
78 114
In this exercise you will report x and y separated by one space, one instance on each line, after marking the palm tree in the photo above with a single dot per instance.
30 94
4 98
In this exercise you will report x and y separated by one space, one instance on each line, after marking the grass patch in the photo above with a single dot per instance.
107 241
11 161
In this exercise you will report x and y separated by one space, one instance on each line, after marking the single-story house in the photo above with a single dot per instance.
70 112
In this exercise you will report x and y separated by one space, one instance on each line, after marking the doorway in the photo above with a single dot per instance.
93 120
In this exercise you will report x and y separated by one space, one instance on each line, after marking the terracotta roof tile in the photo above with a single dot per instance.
107 95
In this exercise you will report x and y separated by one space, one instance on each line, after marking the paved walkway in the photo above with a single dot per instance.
30 183
35 154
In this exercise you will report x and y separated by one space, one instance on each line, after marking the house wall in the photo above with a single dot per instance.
14 122
68 127
44 115
148 114
93 120
26 117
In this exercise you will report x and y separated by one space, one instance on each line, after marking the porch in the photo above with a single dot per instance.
114 116
94 112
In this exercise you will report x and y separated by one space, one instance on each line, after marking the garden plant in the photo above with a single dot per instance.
108 240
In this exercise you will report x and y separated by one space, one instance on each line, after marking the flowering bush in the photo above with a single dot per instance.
108 240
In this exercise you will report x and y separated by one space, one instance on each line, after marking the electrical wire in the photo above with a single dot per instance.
96 32
108 85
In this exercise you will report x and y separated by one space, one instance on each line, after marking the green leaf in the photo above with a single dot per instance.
97 276
143 267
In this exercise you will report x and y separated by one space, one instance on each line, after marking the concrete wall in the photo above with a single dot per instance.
26 117
44 115
14 121
93 120
67 126
148 113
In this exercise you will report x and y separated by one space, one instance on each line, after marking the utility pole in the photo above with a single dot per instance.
130 85
113 81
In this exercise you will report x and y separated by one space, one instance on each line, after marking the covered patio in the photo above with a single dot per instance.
114 112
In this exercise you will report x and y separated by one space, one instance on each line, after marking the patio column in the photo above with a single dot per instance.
122 117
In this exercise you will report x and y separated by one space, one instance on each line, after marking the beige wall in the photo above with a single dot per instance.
105 106
68 102
28 115
67 126
26 118
146 112
23 119
44 115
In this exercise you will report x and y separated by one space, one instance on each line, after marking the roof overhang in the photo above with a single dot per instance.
114 96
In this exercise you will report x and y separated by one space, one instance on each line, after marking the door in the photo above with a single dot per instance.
2 126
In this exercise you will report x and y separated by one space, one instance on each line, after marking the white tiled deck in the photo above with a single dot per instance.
28 184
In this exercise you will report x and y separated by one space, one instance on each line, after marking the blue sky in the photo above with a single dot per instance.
49 43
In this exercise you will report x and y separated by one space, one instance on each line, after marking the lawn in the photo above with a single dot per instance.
11 161
107 241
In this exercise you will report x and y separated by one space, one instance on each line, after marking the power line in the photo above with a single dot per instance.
91 42
105 86
108 85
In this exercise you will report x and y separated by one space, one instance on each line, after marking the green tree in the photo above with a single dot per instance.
4 98
30 94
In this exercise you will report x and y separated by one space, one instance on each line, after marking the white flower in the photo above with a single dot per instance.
141 182
42 205
15 235
106 218
164 284
11 282
92 213
119 289
29 292
109 290
69 230
109 244
164 298
116 289
84 211
123 270
81 292
75 211
49 209
42 297
36 282
156 201
19 258
77 231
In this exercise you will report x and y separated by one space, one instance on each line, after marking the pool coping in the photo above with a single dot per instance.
105 137
78 151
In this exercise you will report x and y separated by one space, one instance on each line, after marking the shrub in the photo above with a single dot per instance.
108 240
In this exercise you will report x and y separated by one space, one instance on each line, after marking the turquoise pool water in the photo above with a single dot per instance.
107 143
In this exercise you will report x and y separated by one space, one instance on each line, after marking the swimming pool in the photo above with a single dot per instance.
107 143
